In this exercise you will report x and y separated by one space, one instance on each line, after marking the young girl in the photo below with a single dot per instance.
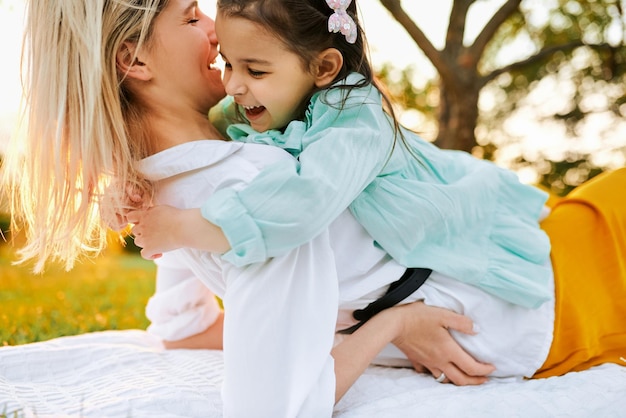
309 88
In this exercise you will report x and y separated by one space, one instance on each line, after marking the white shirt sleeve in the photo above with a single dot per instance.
279 328
182 305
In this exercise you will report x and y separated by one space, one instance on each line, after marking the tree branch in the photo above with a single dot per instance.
541 55
492 26
433 54
456 25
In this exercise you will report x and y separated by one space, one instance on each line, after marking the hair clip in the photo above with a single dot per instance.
340 20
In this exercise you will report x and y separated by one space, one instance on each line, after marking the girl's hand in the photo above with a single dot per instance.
159 229
116 219
425 339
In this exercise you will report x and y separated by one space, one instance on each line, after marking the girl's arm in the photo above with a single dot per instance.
160 229
291 201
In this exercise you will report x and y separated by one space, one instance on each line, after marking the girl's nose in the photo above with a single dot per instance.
232 84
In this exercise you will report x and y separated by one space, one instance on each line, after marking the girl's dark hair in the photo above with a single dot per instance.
302 26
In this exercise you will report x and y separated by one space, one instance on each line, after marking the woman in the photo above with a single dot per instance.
133 80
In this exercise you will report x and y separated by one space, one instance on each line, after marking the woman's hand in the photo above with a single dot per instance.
424 337
159 229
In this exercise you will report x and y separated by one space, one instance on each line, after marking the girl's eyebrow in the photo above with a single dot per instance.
255 61
248 60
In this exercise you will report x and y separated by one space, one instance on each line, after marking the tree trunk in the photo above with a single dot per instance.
457 65
458 116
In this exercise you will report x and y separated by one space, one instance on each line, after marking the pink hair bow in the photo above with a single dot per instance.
340 21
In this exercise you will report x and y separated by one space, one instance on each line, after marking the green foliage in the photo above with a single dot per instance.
5 225
577 73
110 292
577 49
580 71
400 84
561 177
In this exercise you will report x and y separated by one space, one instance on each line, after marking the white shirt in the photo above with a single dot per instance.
281 315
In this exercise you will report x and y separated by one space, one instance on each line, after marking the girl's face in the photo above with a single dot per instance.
181 56
266 79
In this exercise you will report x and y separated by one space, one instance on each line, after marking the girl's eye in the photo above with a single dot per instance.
256 73
192 21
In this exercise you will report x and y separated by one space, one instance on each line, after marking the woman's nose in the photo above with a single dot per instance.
210 29
211 32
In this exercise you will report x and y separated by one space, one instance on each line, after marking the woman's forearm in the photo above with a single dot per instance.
422 333
355 353
211 338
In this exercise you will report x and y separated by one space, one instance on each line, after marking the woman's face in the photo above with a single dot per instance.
181 57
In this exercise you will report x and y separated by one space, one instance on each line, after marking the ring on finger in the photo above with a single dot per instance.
441 378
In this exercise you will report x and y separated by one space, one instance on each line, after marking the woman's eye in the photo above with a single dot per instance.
192 21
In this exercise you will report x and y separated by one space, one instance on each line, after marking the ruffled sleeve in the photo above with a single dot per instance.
481 229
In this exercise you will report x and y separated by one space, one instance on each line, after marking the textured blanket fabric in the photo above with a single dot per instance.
128 374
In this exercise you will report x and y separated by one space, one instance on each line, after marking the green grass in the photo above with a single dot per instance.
108 293
12 414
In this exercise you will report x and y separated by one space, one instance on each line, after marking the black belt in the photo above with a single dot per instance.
399 290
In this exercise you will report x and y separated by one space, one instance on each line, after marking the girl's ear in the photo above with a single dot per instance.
329 63
130 65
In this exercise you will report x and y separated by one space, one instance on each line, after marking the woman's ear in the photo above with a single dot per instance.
329 63
130 65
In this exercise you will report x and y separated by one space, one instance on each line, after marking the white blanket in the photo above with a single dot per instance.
129 374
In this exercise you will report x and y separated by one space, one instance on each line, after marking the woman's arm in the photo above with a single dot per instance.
211 338
182 307
422 333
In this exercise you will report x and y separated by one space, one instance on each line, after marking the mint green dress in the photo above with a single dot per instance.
427 207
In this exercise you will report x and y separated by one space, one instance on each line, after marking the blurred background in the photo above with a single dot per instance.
537 86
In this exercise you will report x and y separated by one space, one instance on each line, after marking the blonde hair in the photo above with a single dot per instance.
82 128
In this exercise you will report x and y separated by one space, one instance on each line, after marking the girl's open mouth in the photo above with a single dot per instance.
253 111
